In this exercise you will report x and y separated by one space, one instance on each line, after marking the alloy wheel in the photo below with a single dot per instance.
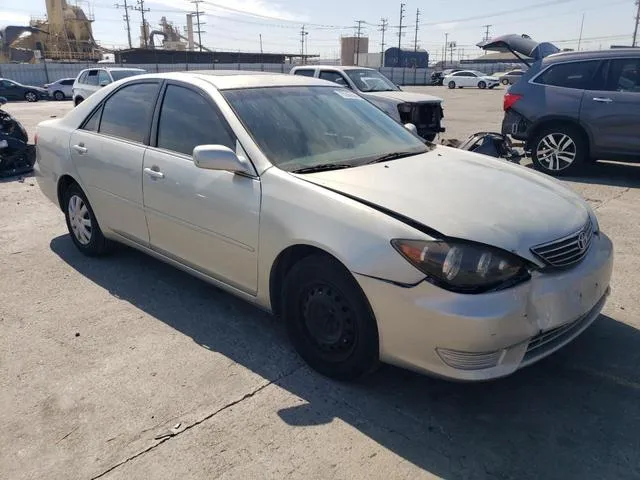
80 220
30 97
556 151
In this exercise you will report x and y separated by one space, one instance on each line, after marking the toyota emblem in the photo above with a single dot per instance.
582 241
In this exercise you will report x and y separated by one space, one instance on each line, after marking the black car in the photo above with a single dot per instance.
16 91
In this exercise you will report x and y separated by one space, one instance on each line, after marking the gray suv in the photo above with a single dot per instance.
573 107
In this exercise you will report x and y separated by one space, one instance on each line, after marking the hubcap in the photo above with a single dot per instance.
556 151
329 322
80 220
31 97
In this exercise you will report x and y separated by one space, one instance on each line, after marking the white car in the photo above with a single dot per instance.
91 80
470 78
304 198
60 89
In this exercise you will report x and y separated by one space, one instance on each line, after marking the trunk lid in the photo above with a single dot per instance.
520 46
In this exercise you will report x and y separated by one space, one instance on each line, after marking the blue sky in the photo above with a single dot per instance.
237 24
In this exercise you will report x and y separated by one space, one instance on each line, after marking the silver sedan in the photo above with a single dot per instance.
305 199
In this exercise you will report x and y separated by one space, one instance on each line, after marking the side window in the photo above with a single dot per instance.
92 77
93 122
66 82
570 75
187 120
7 84
334 77
624 75
305 72
103 78
460 74
83 77
127 113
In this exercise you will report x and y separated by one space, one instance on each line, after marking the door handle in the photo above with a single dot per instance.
154 173
602 100
81 149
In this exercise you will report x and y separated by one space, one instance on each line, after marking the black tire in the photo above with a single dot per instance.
320 294
451 84
31 97
482 85
78 101
555 165
505 81
97 245
58 95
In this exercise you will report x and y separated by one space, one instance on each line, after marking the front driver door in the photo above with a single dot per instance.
205 219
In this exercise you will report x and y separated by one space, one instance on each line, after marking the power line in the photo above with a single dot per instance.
125 17
358 32
415 39
197 13
140 8
384 24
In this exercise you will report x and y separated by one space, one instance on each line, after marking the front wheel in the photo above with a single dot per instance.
560 150
58 95
82 223
329 319
31 97
505 81
482 85
452 84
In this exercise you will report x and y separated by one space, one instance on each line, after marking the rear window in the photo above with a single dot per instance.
127 113
120 74
578 75
306 72
67 82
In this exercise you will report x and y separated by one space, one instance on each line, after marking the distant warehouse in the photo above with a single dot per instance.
146 56
402 57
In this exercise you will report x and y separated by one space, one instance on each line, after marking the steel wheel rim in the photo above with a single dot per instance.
328 321
31 97
80 220
556 151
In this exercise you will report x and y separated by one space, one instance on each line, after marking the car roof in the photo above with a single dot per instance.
334 67
591 55
231 79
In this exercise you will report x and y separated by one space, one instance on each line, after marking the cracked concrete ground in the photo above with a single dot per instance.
125 368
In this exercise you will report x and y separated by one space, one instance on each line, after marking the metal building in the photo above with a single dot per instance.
352 47
395 57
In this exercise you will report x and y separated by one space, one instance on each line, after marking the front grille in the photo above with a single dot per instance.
566 251
425 116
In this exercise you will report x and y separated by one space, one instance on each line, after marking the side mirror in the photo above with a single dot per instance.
411 127
399 88
219 157
104 83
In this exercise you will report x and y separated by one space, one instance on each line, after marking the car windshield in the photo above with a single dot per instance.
370 81
314 127
120 74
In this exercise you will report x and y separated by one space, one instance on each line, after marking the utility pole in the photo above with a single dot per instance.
303 34
384 24
444 51
635 31
140 8
125 17
486 32
261 52
197 13
581 28
358 32
402 5
415 38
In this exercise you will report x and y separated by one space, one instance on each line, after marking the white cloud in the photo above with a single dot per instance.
13 18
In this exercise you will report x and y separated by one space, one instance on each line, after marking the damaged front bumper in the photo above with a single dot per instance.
427 117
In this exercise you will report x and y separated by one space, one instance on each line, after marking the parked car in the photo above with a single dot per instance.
16 91
422 110
60 89
510 78
314 204
91 80
470 78
437 77
573 107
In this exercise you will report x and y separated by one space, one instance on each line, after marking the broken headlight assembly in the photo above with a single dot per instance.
405 108
464 267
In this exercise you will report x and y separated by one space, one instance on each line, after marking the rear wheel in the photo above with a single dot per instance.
505 81
82 223
58 95
559 150
78 101
329 319
31 97
482 85
452 84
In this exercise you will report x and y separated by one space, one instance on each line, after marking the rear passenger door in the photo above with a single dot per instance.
206 219
612 107
108 150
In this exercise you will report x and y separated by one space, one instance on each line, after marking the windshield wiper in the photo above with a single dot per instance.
392 156
323 167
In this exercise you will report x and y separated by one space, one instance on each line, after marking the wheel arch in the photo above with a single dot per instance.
555 120
64 182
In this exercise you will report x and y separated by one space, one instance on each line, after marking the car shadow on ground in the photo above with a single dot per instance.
575 415
613 174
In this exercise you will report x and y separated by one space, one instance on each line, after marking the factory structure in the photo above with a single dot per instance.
66 35
355 51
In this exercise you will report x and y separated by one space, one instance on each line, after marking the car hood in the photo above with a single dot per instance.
402 97
466 195
521 44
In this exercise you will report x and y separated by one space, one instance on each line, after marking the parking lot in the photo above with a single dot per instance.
126 368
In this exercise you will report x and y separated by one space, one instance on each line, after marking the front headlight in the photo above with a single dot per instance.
462 266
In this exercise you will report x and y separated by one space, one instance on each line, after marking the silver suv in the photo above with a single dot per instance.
91 80
571 108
